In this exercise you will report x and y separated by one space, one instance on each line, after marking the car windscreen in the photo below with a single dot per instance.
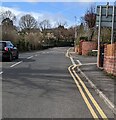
2 45
9 44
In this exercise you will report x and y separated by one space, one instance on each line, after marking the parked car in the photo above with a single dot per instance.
8 50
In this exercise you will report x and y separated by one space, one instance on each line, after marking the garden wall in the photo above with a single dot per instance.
88 46
110 58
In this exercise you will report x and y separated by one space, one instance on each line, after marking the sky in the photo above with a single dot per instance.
52 11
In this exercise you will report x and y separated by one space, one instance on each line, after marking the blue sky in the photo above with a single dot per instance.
53 11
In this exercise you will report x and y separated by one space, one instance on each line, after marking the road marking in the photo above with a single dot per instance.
1 72
91 97
89 94
83 96
36 55
90 64
16 64
67 53
73 62
85 63
29 57
79 62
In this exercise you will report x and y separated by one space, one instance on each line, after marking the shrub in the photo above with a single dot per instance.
84 38
92 53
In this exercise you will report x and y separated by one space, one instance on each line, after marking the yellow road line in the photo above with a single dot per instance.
83 96
91 97
67 53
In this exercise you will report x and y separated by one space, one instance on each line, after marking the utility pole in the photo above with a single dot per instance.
99 32
75 30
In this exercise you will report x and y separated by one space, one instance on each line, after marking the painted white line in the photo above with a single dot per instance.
15 64
72 61
85 63
30 57
90 64
79 62
1 72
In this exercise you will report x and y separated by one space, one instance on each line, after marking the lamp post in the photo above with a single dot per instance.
75 31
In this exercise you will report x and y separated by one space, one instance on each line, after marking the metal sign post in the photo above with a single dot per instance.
99 32
112 33
106 17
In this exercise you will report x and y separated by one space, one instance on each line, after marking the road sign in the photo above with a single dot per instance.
106 16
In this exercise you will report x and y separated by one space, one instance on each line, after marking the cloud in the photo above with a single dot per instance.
53 18
20 13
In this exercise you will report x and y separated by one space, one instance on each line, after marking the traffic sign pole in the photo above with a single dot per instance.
99 32
112 34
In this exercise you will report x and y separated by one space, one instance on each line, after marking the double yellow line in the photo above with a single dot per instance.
78 81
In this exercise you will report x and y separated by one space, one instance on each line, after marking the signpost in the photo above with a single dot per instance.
106 17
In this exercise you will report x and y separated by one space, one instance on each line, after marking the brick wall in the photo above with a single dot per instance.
88 46
110 58
80 47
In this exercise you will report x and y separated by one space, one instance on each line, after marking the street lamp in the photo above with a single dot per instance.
75 30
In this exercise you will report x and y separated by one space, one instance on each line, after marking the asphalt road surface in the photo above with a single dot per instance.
39 85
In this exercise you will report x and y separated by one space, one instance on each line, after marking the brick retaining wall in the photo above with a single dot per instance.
88 46
110 59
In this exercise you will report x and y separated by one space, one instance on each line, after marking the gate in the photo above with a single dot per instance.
101 55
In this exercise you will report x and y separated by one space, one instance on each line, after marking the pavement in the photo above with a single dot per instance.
102 83
39 85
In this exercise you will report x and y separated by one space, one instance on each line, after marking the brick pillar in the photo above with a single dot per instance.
80 47
105 54
114 69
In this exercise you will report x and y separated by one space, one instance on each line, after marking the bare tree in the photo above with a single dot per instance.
90 19
59 24
8 29
45 24
6 15
27 22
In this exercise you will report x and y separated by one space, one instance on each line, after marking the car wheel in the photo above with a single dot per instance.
10 57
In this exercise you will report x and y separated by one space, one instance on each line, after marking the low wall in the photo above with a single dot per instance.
88 46
110 58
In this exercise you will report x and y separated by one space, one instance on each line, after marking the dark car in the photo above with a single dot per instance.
8 50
